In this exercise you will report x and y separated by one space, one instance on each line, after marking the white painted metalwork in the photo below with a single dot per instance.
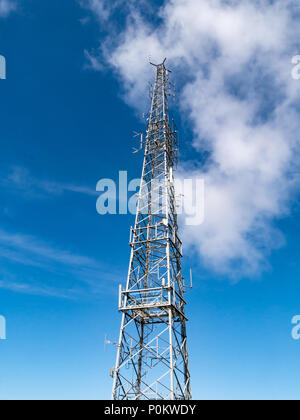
152 358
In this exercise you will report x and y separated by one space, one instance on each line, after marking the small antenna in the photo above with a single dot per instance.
108 342
150 85
191 278
179 200
190 286
141 135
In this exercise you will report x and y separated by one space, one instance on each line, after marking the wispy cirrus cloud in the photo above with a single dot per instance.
233 61
71 273
64 272
31 289
21 180
43 252
7 7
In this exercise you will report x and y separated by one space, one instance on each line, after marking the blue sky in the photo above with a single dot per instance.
64 126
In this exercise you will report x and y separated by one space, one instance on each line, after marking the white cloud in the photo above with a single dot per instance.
7 7
232 58
93 63
99 7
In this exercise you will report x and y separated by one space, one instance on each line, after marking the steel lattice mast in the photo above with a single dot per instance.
152 359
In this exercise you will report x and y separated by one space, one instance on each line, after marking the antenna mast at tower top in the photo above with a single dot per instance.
152 358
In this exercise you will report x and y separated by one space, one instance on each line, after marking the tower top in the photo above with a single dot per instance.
162 65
